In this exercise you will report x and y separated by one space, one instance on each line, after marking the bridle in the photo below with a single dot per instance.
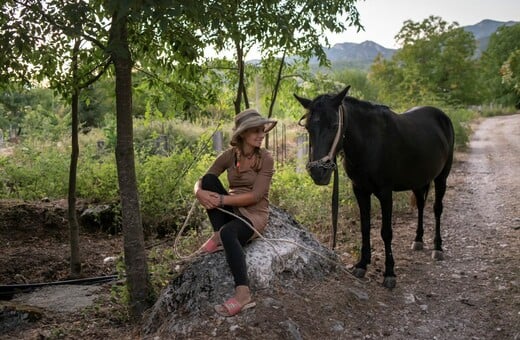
329 162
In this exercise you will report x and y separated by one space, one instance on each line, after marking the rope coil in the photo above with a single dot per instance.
261 237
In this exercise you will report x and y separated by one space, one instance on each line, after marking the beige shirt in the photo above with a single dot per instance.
249 180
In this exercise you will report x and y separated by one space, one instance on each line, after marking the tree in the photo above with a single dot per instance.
502 45
435 61
510 71
47 41
135 257
279 29
52 63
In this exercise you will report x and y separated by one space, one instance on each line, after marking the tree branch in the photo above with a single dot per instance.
51 20
96 77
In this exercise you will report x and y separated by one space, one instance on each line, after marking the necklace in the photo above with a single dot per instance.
250 155
240 156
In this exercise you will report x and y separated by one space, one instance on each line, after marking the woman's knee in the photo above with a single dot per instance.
227 233
235 231
209 182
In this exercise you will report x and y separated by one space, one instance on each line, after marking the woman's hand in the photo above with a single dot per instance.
208 199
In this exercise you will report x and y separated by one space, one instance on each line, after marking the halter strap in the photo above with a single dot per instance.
328 160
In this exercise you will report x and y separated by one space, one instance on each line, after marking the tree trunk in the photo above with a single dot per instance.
75 256
134 249
274 94
241 84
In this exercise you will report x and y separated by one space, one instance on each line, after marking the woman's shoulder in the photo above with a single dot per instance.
266 153
228 153
226 156
266 156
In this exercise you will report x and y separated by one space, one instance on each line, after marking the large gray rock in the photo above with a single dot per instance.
289 253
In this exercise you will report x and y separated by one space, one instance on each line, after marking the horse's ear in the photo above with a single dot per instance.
306 103
338 99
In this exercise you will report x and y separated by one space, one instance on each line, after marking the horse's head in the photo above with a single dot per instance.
323 121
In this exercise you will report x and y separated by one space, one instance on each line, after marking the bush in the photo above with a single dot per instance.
166 187
461 119
33 173
310 204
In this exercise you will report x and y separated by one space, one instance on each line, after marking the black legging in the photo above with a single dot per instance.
234 233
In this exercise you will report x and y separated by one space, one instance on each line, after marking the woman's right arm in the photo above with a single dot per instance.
209 199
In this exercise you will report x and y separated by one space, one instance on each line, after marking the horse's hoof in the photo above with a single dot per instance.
359 272
438 255
417 246
389 282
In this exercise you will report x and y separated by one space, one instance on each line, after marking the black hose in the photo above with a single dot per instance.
7 291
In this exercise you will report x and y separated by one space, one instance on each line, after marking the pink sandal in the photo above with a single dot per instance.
210 247
232 307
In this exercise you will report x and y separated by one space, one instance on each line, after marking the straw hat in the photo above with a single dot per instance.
250 118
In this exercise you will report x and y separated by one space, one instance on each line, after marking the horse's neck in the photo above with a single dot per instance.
364 130
357 127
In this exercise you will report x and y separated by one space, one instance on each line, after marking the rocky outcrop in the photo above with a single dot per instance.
288 253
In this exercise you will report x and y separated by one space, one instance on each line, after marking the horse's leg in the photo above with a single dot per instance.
363 199
440 189
420 198
385 198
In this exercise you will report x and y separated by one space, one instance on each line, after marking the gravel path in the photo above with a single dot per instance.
475 292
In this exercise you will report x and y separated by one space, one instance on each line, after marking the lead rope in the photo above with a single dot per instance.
268 240
197 253
335 185
335 206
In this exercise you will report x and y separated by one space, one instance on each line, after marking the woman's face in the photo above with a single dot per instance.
254 136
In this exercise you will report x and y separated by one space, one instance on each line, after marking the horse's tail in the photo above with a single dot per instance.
450 135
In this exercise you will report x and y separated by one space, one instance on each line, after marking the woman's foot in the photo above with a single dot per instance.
243 294
232 307
212 245
241 301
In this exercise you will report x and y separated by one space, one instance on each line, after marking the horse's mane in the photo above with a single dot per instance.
352 104
367 106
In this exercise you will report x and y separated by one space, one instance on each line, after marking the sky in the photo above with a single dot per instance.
383 19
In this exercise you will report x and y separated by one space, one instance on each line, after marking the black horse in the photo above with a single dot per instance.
382 152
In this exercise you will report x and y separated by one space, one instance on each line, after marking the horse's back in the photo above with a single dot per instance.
421 146
429 116
425 124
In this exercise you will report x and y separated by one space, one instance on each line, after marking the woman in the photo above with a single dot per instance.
249 172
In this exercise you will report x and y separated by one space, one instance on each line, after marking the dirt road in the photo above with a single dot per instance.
479 283
473 294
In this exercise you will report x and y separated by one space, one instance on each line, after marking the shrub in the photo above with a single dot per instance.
32 173
166 187
307 202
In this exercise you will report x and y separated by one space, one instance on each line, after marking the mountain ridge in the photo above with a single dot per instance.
361 55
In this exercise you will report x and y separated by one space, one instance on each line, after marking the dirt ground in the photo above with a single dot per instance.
473 294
